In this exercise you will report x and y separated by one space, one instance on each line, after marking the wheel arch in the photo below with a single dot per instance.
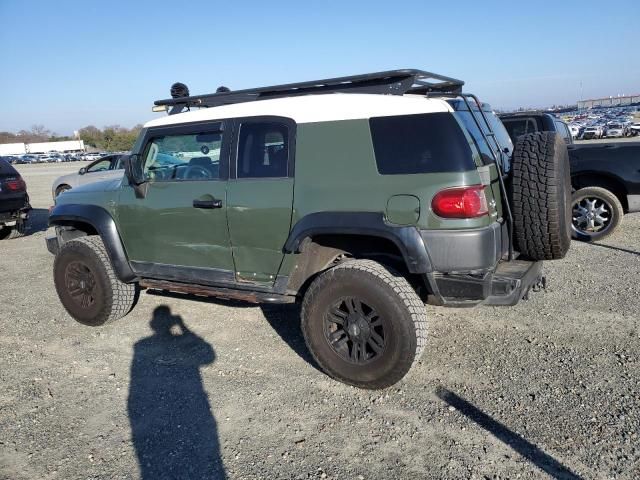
95 220
603 180
406 239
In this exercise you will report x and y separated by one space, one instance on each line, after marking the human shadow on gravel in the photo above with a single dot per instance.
173 429
283 318
620 249
285 321
528 450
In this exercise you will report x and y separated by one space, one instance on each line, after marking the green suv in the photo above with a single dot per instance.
361 197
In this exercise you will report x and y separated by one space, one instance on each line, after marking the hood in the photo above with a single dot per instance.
101 186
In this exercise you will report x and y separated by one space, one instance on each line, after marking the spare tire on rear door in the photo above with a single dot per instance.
540 191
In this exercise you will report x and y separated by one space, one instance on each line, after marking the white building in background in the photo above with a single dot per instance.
620 101
12 149
42 147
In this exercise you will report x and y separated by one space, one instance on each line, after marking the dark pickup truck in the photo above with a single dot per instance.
605 176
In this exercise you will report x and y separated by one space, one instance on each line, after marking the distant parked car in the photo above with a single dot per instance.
92 156
593 132
111 166
575 131
615 130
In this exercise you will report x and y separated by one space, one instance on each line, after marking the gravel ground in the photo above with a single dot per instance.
546 389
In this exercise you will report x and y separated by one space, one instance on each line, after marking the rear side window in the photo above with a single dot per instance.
6 169
262 150
423 143
520 126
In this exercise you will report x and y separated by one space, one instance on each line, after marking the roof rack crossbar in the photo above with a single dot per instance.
391 82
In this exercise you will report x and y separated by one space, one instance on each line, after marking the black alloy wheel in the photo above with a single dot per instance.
354 330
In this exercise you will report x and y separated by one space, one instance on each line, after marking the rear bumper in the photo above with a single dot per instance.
505 286
13 207
469 268
466 250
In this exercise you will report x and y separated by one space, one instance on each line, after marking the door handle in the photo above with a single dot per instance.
210 204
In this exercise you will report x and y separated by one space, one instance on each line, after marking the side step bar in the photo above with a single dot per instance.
219 292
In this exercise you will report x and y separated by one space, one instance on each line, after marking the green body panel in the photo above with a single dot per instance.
164 227
102 194
403 210
259 215
336 171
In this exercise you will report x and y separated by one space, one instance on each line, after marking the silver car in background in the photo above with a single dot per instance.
105 168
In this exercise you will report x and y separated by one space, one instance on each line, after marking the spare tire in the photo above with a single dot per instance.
540 191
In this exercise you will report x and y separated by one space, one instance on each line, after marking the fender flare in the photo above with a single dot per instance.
406 238
72 214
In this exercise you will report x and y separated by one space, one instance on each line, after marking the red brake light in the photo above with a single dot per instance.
460 202
15 185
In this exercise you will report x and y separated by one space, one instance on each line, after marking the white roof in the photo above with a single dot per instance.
314 108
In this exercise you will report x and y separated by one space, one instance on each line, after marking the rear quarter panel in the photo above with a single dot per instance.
336 171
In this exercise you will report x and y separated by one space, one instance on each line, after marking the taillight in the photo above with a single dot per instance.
15 185
460 202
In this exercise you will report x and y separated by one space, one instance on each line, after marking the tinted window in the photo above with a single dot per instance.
472 127
100 166
520 126
424 143
6 168
562 130
262 150
194 156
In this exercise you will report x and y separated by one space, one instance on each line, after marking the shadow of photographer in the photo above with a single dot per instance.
173 428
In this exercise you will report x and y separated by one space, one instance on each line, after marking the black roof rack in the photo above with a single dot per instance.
391 82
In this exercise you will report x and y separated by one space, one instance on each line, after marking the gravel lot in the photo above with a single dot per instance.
547 389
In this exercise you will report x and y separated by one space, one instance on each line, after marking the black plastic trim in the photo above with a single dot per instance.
203 276
406 238
103 223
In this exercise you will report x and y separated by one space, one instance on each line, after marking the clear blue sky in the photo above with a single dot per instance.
68 64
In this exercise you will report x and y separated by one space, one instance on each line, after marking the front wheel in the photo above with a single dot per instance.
87 285
364 324
596 213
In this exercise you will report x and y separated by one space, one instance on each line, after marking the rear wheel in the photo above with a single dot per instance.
596 213
87 285
540 190
364 324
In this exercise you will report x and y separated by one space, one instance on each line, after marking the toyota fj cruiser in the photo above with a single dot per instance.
362 197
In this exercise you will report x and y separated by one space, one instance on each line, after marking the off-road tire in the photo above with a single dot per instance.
111 298
402 311
540 191
613 205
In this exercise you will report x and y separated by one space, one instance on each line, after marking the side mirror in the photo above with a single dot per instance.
135 174
82 171
133 169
